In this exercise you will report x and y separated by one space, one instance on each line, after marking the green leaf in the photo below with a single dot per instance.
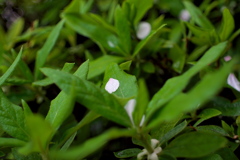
207 114
90 146
178 57
61 107
74 7
26 109
202 92
40 133
142 6
100 21
86 26
90 96
123 29
11 68
88 118
148 67
238 124
197 52
2 154
203 35
195 144
173 132
127 153
12 119
227 25
210 157
69 142
212 129
197 16
166 157
128 84
82 71
11 142
226 153
142 102
25 70
99 65
163 128
141 44
13 32
19 156
229 129
66 68
170 89
234 35
225 106
46 49
125 65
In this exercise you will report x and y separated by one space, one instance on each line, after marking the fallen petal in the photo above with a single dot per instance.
184 15
233 81
112 85
144 28
129 107
227 58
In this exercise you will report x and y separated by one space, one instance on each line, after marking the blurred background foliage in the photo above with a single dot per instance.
28 23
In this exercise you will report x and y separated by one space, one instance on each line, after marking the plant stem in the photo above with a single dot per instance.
143 138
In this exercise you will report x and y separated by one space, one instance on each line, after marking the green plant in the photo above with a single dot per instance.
144 77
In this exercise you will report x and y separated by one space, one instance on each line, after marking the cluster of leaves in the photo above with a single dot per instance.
176 75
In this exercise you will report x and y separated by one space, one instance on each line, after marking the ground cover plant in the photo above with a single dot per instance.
119 79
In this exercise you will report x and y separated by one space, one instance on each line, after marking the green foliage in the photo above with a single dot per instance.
12 119
96 84
45 50
90 96
195 144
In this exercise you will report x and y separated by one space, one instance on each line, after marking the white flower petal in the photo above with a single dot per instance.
129 107
153 156
112 85
227 58
154 143
233 81
158 150
142 121
184 15
144 28
141 154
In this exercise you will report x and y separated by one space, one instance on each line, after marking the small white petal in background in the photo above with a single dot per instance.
233 82
112 85
129 107
232 79
144 28
184 15
227 58
142 121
